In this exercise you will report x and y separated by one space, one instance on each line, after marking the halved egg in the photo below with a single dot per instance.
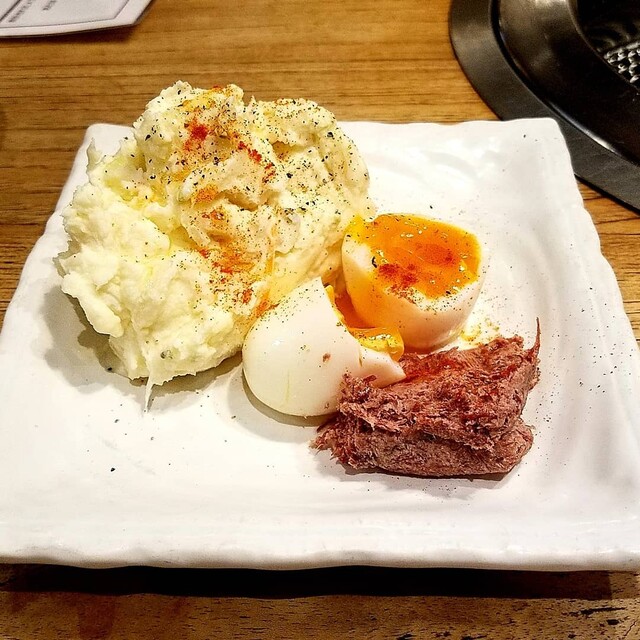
296 354
420 275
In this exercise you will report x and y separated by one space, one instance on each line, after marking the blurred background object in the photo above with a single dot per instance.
23 18
573 60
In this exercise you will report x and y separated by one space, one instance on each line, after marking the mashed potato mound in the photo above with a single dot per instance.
209 213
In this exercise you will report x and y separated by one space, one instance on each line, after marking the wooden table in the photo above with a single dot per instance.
389 61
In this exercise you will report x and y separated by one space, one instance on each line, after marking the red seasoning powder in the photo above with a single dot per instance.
412 252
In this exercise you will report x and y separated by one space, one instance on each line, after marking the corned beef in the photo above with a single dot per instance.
456 413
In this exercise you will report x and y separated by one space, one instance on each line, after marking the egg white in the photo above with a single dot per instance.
296 354
425 323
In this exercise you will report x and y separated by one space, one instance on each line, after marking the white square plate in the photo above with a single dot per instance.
205 479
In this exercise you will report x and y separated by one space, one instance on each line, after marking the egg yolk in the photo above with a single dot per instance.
384 339
414 253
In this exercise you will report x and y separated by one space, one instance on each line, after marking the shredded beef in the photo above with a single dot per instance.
456 413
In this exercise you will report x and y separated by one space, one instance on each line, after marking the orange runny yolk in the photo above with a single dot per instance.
410 252
376 338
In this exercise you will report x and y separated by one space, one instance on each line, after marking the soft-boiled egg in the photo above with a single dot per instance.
420 275
296 354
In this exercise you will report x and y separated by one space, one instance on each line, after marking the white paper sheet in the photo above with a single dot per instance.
46 17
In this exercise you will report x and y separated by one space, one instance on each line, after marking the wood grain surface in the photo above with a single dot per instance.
391 61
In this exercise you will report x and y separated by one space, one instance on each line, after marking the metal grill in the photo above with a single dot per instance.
626 61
